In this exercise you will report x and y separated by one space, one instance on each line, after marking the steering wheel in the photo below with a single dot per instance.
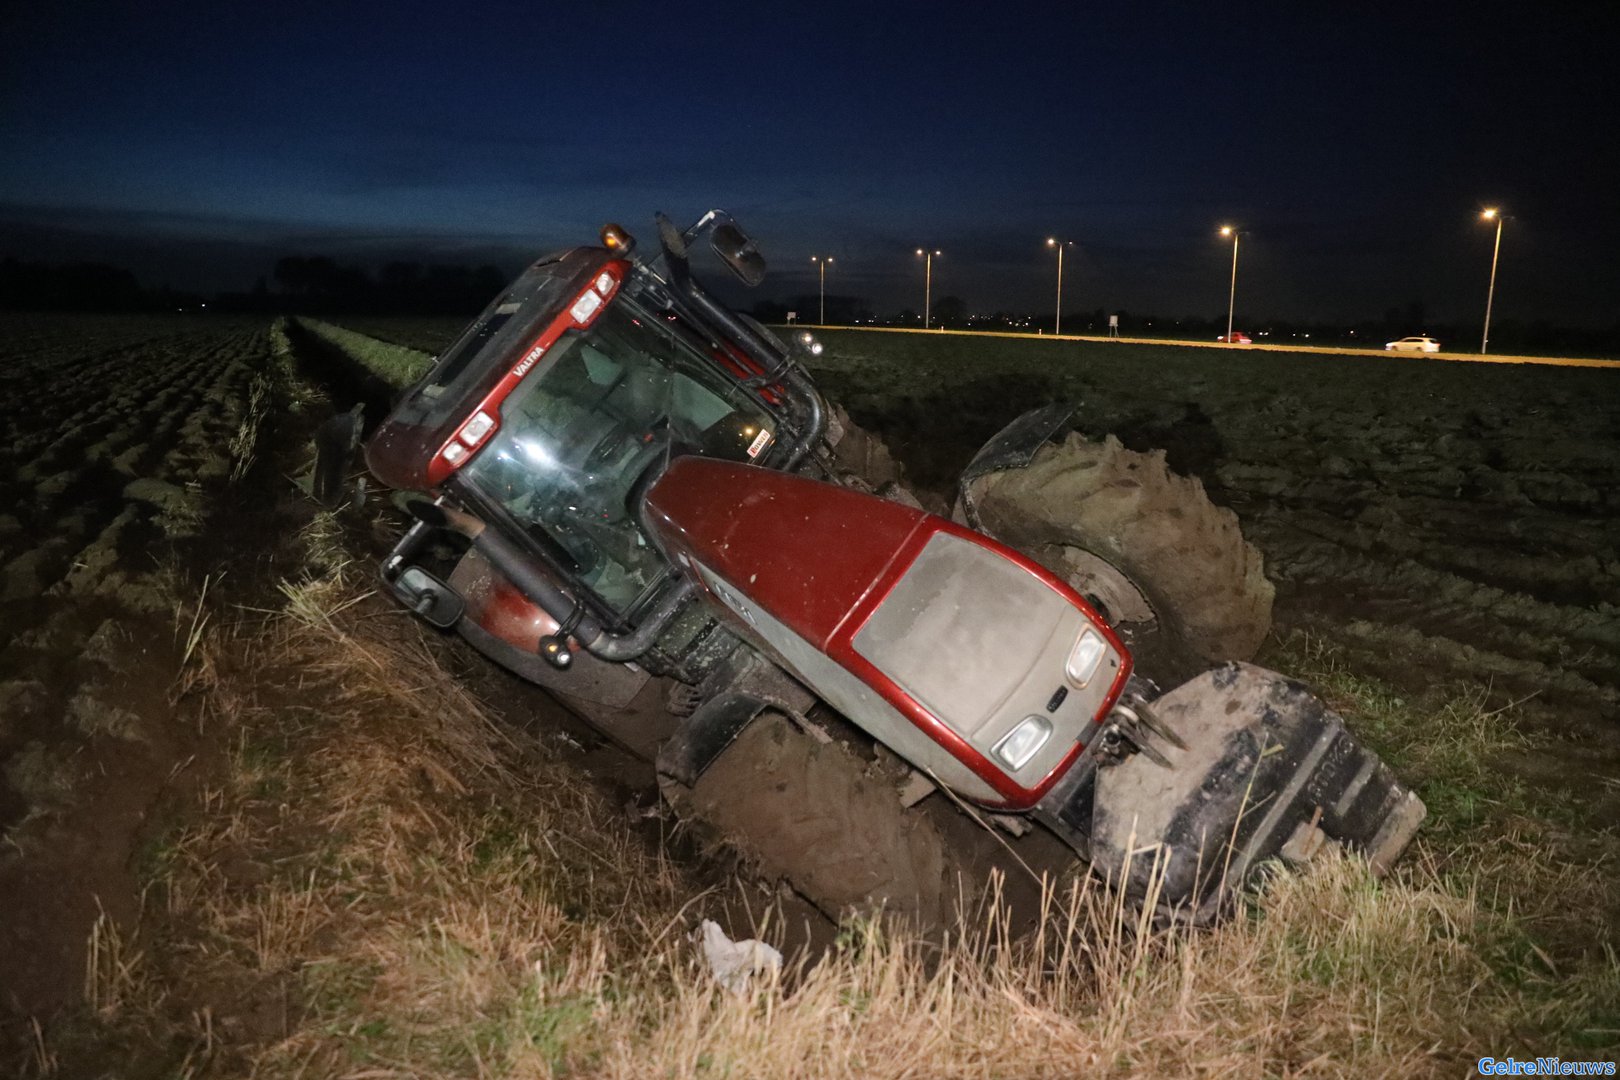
607 446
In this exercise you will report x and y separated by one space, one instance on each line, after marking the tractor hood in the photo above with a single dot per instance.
966 658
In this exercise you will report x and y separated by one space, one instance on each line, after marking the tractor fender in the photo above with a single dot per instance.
1013 447
734 696
1268 770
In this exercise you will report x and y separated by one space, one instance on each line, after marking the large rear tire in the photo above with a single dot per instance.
823 818
1167 567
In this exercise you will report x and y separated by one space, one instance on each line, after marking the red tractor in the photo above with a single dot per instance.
654 514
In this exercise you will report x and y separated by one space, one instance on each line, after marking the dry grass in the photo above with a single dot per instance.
244 442
114 972
390 883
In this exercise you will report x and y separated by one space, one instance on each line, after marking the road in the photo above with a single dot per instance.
1326 350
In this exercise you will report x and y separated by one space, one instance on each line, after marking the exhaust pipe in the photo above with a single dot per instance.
518 568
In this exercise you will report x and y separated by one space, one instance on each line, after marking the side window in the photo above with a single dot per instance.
696 406
456 361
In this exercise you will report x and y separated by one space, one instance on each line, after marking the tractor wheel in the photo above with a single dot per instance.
821 817
1168 568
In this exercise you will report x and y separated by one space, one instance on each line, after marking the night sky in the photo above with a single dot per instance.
196 143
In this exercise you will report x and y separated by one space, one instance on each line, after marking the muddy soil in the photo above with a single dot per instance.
120 438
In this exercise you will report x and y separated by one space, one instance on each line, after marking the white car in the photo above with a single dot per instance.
1413 344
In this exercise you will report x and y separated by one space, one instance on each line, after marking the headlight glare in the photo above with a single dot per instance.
1086 655
1021 743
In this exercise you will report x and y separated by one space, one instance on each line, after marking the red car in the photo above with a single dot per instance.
1236 337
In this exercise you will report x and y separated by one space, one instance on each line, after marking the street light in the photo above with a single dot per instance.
928 281
823 261
1231 297
1491 214
1052 241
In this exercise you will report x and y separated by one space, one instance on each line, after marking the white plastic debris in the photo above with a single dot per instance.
733 963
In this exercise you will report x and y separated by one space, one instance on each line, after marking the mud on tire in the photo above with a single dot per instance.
1106 519
821 817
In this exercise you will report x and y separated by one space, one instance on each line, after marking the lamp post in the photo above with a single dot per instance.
1231 296
1052 241
928 281
1491 214
822 262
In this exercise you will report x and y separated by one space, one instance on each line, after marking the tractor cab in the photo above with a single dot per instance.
556 409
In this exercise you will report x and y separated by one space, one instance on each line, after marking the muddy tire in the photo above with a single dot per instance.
821 817
1165 565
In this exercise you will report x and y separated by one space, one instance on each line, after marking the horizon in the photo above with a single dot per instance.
844 309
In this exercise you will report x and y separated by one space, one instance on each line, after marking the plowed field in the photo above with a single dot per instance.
114 436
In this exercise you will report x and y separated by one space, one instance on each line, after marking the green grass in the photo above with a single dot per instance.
1539 856
396 365
1449 741
429 334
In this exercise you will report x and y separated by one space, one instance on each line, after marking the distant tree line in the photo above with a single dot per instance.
82 286
315 285
318 284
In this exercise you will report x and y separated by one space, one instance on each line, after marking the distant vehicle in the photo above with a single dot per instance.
1236 337
1413 344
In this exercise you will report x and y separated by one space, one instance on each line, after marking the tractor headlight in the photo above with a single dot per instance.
1085 656
1021 742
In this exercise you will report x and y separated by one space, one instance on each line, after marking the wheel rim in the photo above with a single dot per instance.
1108 588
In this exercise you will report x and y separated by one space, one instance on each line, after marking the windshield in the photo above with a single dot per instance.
594 417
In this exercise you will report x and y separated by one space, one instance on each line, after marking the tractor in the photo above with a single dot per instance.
650 510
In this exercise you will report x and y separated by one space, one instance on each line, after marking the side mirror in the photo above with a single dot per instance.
736 249
437 603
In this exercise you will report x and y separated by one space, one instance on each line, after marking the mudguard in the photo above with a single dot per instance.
1013 447
1268 771
736 694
